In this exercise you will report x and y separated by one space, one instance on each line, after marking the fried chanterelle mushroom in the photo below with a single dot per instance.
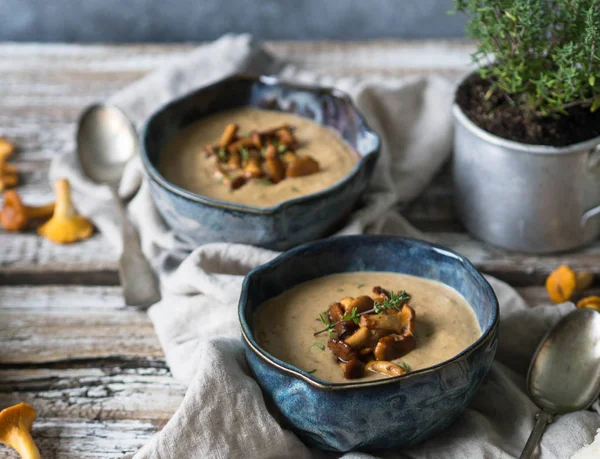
269 156
15 216
66 225
371 332
15 428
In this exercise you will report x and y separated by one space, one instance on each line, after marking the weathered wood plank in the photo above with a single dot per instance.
106 393
59 438
72 323
28 258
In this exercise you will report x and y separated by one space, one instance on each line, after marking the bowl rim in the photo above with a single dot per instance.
269 81
296 372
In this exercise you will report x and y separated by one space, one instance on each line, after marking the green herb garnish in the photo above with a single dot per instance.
320 346
405 365
328 325
264 182
282 148
353 316
395 301
263 152
311 371
360 285
222 154
298 191
245 153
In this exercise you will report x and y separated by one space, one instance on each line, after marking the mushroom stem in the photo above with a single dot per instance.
34 212
6 148
64 202
9 176
23 443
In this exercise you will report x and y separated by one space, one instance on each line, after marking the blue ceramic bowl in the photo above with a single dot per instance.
199 219
380 414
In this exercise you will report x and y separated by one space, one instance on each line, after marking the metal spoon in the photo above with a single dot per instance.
106 140
564 375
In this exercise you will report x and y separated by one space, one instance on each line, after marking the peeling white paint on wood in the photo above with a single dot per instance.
112 393
60 438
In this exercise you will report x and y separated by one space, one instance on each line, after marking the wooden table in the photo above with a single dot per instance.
92 367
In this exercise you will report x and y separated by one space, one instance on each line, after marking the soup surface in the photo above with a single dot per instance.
284 326
184 163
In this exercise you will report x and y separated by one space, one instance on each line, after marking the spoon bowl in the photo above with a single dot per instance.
564 375
106 140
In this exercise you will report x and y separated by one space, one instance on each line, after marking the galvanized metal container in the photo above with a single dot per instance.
529 198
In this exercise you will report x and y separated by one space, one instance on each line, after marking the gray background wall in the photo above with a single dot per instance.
185 20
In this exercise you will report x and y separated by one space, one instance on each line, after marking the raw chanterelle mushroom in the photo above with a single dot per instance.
66 225
14 215
9 175
6 148
15 427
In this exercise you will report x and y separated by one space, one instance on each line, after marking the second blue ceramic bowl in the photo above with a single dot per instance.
380 414
199 219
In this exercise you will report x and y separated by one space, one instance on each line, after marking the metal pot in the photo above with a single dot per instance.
530 198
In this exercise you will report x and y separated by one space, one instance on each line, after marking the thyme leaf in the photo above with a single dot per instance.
245 153
320 346
353 316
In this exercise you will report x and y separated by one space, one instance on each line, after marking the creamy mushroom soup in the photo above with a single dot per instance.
185 162
444 323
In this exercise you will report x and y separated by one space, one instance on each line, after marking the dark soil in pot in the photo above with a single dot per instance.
500 117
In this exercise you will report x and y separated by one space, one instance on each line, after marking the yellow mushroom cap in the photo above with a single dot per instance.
66 225
592 302
13 216
15 425
561 284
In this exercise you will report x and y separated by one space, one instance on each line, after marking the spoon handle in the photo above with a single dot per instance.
542 419
138 279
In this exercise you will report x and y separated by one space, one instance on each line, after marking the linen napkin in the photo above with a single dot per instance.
223 414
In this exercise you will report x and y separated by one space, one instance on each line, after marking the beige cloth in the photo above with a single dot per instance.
223 414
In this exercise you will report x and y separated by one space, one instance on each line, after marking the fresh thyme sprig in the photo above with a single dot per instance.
395 301
245 153
325 321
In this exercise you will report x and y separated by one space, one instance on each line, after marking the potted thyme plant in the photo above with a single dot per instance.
526 151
